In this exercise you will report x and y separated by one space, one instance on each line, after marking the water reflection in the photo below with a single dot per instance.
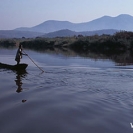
122 59
19 76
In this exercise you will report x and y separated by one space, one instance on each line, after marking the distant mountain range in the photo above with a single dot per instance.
121 22
18 34
66 32
60 33
66 28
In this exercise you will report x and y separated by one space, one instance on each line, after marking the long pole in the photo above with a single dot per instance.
33 62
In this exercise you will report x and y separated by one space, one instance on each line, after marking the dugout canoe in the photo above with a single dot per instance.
19 67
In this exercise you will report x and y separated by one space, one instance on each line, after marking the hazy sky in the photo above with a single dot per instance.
28 13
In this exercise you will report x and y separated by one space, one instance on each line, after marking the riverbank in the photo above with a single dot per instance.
118 47
118 43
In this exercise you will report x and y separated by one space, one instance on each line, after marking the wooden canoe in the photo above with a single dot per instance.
19 67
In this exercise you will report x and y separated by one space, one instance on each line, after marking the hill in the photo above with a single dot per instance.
53 28
18 34
121 22
69 33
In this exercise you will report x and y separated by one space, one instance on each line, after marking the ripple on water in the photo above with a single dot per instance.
67 100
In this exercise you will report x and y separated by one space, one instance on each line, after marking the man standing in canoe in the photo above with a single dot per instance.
19 54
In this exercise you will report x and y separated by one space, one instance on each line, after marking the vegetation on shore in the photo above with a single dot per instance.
7 43
117 47
110 46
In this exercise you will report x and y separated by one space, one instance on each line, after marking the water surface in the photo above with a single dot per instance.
73 95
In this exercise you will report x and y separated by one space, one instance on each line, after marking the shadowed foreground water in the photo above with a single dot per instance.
73 95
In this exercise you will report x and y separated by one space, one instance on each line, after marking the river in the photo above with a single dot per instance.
74 95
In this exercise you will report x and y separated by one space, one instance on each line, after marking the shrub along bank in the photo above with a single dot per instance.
118 43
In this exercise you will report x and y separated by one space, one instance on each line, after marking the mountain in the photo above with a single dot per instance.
53 28
61 33
18 34
68 33
49 26
121 22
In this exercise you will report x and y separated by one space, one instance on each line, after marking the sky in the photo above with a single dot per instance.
29 13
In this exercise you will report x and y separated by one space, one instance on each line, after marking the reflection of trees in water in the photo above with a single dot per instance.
18 80
125 58
120 59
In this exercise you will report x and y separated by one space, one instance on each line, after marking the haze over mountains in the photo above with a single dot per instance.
121 22
66 32
103 25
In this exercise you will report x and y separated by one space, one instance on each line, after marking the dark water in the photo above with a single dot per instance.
73 95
